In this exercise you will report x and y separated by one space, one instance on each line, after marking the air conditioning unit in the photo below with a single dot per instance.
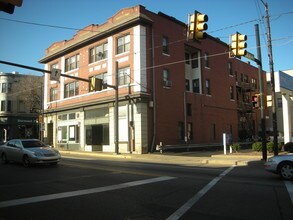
167 83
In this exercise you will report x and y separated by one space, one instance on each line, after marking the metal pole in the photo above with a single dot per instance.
116 110
274 114
262 98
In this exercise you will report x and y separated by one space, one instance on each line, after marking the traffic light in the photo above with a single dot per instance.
255 101
238 45
55 74
8 5
197 26
96 84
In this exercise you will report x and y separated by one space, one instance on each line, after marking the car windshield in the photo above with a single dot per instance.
32 143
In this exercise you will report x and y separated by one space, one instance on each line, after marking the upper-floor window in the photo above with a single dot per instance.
254 83
3 105
165 45
71 89
6 106
245 79
187 58
208 87
72 63
166 75
123 44
187 84
195 85
53 94
188 109
194 60
124 76
99 53
230 69
6 87
206 60
232 92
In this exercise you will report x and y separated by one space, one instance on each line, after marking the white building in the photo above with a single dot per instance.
284 103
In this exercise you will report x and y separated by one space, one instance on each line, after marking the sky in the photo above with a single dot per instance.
33 27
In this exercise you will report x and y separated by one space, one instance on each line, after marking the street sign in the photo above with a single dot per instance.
55 75
249 56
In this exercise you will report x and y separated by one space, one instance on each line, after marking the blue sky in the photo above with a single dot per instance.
25 43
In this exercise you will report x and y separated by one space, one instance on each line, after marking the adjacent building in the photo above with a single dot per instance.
284 105
171 90
17 118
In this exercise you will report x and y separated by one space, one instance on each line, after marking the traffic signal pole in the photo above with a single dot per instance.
262 95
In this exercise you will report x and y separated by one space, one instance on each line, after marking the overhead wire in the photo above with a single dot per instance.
155 47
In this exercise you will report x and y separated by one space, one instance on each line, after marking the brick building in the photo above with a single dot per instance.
171 90
18 113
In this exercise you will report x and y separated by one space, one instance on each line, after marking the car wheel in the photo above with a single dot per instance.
4 158
286 170
26 161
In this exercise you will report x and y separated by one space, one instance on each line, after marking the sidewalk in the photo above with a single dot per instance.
217 158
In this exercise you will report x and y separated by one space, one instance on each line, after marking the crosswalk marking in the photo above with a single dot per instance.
35 199
289 186
185 207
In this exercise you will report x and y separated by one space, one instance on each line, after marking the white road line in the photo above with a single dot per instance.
29 200
289 186
184 208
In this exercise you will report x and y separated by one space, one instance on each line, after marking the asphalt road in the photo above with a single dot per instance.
91 188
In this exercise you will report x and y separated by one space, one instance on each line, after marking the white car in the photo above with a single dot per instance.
282 165
28 151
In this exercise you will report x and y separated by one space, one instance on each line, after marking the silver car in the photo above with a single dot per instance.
29 151
282 165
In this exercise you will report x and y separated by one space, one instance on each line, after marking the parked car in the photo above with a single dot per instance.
28 151
288 147
282 165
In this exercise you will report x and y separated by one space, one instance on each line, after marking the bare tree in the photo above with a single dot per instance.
28 88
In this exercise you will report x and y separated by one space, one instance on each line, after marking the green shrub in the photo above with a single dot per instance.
270 146
236 147
257 146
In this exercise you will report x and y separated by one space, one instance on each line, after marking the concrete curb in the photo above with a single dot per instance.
227 160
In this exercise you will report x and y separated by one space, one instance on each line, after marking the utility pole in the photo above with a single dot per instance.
116 130
262 99
271 63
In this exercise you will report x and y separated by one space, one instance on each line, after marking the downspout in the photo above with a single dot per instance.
154 96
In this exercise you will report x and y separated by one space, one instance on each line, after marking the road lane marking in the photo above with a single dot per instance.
289 186
184 208
35 199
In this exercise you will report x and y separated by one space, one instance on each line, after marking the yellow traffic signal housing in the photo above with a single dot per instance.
201 26
96 84
197 26
238 45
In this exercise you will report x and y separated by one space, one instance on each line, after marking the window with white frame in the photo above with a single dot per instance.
206 60
6 87
123 44
165 45
71 89
53 94
99 52
72 63
124 76
208 87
